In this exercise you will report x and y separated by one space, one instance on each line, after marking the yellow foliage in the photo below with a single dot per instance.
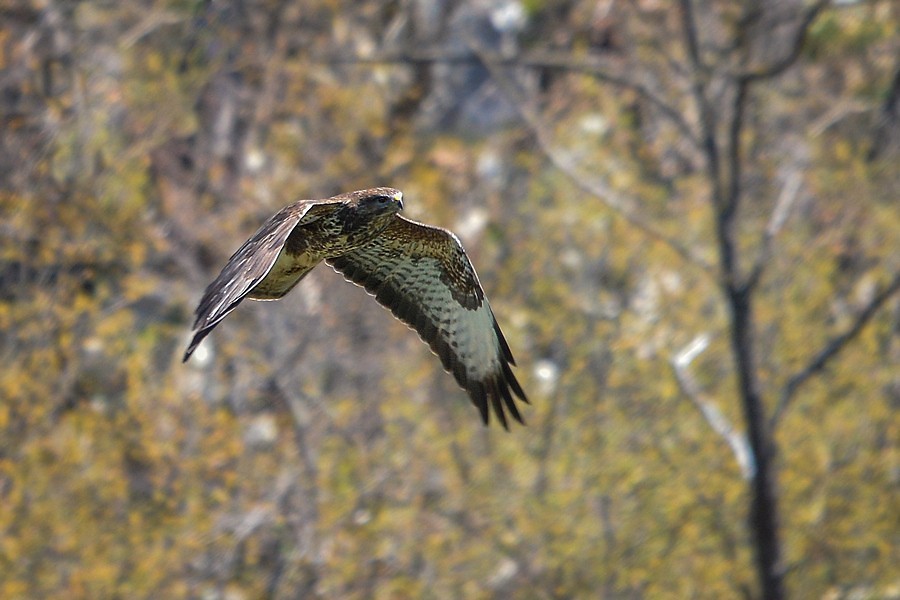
125 473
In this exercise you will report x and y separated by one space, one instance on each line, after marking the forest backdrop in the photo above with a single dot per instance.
686 215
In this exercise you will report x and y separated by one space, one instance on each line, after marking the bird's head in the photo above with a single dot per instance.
380 200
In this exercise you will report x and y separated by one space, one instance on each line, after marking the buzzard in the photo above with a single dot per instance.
421 273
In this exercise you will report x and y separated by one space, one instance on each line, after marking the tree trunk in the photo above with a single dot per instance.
764 506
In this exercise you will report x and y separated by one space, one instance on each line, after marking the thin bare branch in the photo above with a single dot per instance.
150 23
888 117
735 128
777 219
782 64
692 42
588 65
705 112
785 202
834 346
736 440
619 204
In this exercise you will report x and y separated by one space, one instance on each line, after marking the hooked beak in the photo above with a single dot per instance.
399 198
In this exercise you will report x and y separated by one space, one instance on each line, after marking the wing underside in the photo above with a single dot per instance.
424 277
245 270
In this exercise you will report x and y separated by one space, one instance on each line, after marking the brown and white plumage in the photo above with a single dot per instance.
421 273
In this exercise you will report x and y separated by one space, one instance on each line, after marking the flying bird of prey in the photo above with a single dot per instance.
421 273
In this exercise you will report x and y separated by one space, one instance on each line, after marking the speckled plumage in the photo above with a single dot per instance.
419 272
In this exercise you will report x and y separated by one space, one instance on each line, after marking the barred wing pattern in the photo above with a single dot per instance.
245 269
422 274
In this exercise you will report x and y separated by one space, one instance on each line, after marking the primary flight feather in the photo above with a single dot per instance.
420 273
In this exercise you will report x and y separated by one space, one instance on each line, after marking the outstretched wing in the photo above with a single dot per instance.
422 274
245 269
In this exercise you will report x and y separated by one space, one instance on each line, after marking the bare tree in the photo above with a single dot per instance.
722 78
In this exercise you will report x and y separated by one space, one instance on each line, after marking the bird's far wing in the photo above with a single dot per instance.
422 274
246 268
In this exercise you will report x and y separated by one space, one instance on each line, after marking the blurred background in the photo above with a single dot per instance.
609 165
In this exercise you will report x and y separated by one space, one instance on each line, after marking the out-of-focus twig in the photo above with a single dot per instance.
777 219
619 204
833 347
736 440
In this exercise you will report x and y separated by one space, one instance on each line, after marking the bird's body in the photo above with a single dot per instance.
312 240
421 273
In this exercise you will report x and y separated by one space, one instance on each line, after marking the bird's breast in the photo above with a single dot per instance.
287 272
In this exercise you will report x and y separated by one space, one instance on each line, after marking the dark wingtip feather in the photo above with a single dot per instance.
479 399
497 403
504 345
195 341
510 378
510 402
